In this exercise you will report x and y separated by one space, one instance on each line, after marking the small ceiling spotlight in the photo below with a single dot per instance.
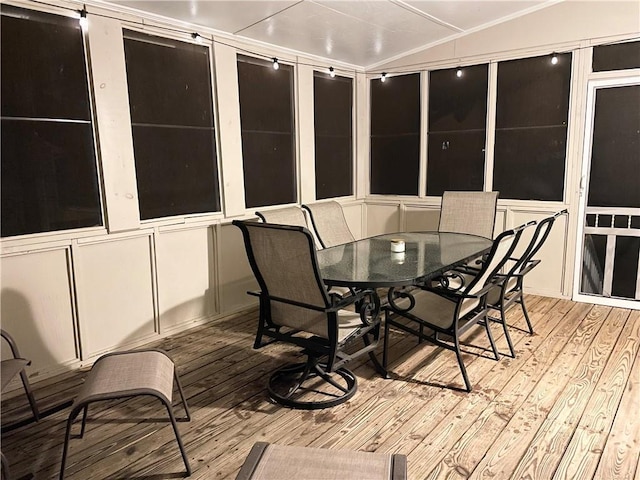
84 21
554 59
459 72
332 72
197 37
383 77
276 65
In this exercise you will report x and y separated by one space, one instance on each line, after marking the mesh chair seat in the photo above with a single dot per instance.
128 374
269 462
11 368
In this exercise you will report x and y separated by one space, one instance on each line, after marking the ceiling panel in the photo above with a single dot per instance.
467 14
356 32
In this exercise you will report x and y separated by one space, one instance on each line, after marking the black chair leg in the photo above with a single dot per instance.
461 363
178 438
526 314
67 436
491 341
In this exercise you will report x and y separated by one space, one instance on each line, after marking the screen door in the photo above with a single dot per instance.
609 239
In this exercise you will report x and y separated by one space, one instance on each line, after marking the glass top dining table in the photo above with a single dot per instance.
371 263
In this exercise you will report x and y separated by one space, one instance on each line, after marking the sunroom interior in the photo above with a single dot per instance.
121 175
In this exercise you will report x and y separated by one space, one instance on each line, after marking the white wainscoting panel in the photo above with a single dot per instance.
421 218
186 270
37 308
115 294
382 218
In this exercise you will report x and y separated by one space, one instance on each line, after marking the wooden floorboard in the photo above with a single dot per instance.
567 406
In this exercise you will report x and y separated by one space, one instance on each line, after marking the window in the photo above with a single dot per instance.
174 143
49 173
395 135
457 129
531 128
333 103
266 112
618 56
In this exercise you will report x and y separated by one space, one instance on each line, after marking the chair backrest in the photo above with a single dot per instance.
284 216
329 223
283 260
502 247
294 216
468 212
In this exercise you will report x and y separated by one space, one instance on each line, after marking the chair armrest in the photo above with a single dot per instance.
12 343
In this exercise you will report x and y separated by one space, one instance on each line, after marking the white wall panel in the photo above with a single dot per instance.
236 277
382 219
37 308
421 219
186 272
115 294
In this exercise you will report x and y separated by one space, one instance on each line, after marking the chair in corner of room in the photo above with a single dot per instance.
329 223
511 290
269 461
451 312
289 216
473 213
296 307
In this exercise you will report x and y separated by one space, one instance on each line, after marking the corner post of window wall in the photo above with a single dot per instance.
489 144
424 128
306 137
362 136
113 124
231 166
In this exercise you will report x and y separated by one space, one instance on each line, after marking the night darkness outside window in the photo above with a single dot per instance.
170 99
266 112
617 56
531 128
333 120
395 135
49 173
457 129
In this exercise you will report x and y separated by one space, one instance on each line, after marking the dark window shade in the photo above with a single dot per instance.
396 162
615 151
532 92
457 129
455 161
531 128
529 163
43 66
619 56
395 135
458 103
48 173
333 121
266 112
170 98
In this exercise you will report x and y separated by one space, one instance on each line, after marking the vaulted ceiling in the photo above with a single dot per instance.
363 33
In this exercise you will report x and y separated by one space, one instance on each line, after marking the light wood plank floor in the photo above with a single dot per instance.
568 406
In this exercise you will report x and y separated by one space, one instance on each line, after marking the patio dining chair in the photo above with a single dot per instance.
297 308
447 311
511 290
468 212
290 216
329 223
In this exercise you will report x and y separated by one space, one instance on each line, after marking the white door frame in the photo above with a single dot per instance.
592 87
